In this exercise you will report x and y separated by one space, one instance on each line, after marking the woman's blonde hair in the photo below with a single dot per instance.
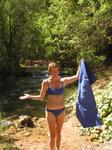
52 65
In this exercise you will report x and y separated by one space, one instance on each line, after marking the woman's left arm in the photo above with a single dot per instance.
69 80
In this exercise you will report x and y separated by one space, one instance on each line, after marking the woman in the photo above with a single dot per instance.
54 87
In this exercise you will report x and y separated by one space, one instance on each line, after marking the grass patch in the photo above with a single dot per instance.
70 90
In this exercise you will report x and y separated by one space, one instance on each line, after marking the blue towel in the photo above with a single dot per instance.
86 110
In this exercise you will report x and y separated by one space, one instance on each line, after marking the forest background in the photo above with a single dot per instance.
60 30
35 32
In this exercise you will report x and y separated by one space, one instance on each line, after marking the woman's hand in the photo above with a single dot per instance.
78 71
26 96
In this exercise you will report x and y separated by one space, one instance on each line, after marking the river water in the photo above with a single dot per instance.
10 103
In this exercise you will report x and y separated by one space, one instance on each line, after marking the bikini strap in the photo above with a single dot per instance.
61 83
48 83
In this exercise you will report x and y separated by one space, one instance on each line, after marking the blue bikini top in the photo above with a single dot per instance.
55 91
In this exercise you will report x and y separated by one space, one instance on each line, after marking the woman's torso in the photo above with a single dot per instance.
55 94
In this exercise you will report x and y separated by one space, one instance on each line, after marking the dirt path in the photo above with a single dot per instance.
71 139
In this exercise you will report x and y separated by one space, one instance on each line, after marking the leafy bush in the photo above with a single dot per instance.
104 103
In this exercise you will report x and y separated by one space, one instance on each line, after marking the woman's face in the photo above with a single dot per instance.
54 72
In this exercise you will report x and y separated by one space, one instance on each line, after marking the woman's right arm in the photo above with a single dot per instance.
41 96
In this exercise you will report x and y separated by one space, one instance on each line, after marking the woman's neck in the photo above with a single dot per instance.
55 79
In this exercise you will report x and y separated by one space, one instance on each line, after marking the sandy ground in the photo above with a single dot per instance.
71 139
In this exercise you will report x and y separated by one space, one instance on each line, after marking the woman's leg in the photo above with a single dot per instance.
52 128
59 123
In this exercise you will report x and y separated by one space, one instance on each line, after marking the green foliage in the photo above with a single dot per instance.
18 35
105 110
104 103
59 30
73 29
1 128
6 141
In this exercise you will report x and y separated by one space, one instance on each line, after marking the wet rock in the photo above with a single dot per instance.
6 124
35 119
25 121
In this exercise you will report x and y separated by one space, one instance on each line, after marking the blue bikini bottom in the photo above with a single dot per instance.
56 112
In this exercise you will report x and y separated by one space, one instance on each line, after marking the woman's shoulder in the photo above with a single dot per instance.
45 81
63 79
